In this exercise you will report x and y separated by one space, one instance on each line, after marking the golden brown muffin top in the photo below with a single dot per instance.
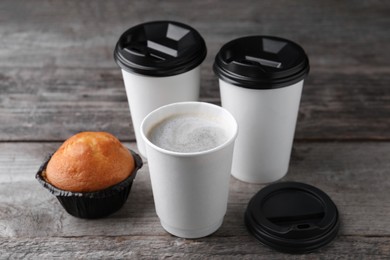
89 161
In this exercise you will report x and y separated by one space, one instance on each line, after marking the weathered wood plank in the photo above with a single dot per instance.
337 35
162 247
55 104
355 175
58 77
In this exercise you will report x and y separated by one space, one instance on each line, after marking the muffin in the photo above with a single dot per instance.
91 174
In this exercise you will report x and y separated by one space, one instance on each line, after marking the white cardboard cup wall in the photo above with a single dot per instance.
190 190
267 119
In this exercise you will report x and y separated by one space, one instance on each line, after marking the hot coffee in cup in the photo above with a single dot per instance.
188 133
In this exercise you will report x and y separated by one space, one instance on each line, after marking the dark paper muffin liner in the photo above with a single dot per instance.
95 204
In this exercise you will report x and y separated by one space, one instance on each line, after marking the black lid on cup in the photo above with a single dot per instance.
160 48
292 217
261 62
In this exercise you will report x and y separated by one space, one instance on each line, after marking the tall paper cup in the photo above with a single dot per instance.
160 65
261 80
190 189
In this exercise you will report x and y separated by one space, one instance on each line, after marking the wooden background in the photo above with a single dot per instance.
58 77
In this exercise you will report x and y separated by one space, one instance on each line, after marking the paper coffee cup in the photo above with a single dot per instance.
160 65
190 189
261 79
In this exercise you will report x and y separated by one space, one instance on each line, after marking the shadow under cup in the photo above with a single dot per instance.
190 189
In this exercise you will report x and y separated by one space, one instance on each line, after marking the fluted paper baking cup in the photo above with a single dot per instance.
95 204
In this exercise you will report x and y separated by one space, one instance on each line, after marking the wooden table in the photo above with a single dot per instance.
58 77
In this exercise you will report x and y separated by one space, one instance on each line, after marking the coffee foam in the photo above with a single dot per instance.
188 133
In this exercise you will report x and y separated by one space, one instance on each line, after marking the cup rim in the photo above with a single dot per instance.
230 140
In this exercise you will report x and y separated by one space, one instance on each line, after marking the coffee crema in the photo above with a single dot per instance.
187 133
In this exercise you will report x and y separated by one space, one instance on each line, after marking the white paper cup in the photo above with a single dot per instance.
267 125
190 190
160 65
261 80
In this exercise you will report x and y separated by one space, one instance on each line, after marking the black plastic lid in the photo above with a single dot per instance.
261 62
292 217
160 48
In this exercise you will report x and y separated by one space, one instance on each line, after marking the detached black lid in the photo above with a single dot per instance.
160 48
292 217
261 62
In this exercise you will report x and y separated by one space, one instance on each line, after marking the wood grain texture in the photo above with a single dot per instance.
58 76
355 175
164 247
82 34
52 105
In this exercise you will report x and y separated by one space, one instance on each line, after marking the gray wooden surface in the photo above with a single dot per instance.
58 77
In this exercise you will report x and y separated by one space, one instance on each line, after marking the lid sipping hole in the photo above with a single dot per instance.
134 50
264 62
157 57
249 62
